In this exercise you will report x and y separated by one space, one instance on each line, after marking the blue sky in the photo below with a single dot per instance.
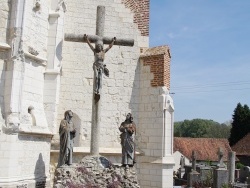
210 47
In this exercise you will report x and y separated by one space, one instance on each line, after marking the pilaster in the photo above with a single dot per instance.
54 56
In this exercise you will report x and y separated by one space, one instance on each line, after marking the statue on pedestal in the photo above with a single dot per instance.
67 133
128 130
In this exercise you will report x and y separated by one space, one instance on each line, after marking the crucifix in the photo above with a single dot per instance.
220 156
194 156
99 68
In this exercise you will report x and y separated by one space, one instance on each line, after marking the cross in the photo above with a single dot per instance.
194 156
99 68
220 158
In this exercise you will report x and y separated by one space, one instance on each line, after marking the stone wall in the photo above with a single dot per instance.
26 61
24 157
35 34
36 27
4 16
26 146
33 84
4 13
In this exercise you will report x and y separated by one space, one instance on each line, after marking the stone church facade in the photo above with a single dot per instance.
42 76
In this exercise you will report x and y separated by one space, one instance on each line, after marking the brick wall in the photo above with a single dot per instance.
158 58
140 8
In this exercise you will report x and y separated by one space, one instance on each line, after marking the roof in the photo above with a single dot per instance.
159 50
206 148
242 147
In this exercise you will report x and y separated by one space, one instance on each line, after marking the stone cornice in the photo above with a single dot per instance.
103 151
4 46
39 59
52 71
36 133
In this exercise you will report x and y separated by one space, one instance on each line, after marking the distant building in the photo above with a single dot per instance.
242 149
206 150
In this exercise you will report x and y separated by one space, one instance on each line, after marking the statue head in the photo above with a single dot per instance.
30 109
68 115
99 45
129 117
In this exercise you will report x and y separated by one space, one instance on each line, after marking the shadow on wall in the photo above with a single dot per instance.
79 132
134 100
59 51
40 176
2 89
4 56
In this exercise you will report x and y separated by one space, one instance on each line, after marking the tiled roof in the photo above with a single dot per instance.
159 50
242 147
206 148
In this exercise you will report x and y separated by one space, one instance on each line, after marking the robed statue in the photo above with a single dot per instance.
128 130
67 133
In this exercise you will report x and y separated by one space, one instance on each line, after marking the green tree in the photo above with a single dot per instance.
201 128
240 124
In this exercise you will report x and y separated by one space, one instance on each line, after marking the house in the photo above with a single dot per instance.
206 150
242 149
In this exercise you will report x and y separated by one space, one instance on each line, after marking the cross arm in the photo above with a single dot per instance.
94 38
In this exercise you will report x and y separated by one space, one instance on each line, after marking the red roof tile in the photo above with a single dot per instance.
206 148
242 147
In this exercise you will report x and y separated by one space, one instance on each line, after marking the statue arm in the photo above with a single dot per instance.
63 127
88 42
110 45
122 128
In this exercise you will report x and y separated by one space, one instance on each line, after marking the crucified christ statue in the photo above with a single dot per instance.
99 66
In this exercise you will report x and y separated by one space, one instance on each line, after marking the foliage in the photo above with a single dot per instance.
201 128
239 165
209 163
206 182
226 185
240 124
71 184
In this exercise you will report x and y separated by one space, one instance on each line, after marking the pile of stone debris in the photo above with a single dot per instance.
95 172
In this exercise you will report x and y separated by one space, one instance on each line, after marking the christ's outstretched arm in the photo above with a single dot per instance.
110 45
90 45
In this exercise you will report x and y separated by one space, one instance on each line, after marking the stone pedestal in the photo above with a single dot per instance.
231 167
220 177
192 178
95 171
248 182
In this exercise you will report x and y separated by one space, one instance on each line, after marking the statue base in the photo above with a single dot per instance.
95 171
